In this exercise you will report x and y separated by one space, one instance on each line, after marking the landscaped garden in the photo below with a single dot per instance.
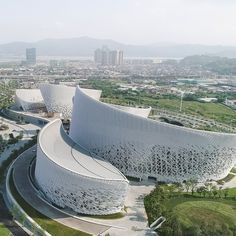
191 210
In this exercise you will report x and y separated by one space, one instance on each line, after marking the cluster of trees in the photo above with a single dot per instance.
5 142
206 190
155 204
112 94
221 65
7 93
14 139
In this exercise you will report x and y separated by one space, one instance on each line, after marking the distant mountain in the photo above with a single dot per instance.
85 46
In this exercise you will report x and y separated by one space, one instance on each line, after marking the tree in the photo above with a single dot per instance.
214 191
193 185
220 192
171 189
14 211
226 192
180 188
20 136
202 190
187 185
11 136
209 188
22 217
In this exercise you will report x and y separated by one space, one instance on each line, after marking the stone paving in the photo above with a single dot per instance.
135 221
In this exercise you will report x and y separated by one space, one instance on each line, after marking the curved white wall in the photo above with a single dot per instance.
70 177
59 98
143 112
29 99
142 147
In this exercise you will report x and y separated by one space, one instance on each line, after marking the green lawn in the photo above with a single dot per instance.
3 230
215 213
216 111
192 215
232 192
53 227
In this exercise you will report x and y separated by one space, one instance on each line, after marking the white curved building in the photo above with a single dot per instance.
70 177
59 98
29 99
143 148
143 112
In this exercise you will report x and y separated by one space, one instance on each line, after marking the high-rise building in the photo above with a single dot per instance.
98 55
120 57
31 56
113 59
105 56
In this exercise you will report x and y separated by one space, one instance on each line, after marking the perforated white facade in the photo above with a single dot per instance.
29 99
59 98
141 147
70 177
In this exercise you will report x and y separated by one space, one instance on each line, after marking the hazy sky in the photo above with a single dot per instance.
127 21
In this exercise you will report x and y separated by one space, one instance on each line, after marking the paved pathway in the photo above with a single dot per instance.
25 188
135 221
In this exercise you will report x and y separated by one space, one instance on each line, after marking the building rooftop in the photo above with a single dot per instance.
60 148
29 95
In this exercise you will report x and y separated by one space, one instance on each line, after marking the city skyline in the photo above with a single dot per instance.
132 22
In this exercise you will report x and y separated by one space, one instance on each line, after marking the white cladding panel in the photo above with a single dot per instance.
29 99
143 112
59 98
141 147
67 186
